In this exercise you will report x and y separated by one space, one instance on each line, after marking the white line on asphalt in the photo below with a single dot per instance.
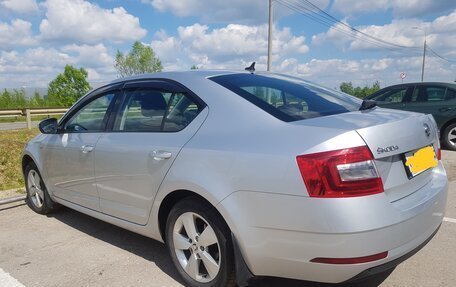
7 281
448 219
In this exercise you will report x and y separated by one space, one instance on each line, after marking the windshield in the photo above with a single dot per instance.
288 98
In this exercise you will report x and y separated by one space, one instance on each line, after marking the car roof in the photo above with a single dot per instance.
172 75
422 84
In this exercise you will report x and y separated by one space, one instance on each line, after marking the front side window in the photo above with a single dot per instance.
391 96
287 98
152 110
92 117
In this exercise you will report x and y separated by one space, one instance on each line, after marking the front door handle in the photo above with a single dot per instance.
87 148
445 109
161 154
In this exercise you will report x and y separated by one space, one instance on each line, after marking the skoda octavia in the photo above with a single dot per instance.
246 174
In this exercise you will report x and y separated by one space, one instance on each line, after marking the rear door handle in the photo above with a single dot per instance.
161 154
87 148
445 109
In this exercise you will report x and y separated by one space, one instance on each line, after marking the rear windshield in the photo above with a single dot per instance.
288 98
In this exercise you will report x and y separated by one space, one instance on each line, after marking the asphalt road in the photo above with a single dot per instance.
71 249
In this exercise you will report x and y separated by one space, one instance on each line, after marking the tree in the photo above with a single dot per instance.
68 87
141 59
194 67
360 92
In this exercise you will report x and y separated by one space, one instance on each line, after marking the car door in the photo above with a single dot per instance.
393 98
154 122
433 99
69 154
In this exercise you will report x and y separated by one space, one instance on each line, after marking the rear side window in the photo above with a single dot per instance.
287 98
428 94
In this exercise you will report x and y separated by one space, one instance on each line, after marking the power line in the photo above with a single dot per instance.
439 56
316 14
356 30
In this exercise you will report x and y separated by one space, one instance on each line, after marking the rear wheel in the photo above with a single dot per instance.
37 196
449 137
200 245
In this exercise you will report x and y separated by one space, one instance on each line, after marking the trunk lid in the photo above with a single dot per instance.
389 134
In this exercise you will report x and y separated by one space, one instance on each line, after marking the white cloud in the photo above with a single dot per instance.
19 32
20 6
36 67
227 47
96 56
222 11
84 22
441 35
331 72
400 8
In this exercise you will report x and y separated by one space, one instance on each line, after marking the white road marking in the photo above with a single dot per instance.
448 219
7 281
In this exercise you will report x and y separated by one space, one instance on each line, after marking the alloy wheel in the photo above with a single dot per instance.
34 184
196 247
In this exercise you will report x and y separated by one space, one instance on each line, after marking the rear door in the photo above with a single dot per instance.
154 122
437 100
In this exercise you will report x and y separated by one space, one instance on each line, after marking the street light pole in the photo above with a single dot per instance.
424 52
270 37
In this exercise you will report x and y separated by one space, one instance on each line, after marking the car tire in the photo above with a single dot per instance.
200 246
37 196
449 137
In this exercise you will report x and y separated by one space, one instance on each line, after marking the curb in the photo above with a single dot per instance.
12 199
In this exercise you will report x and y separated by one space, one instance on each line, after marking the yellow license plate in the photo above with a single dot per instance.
420 160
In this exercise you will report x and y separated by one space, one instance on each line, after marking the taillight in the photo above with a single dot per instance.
341 173
439 154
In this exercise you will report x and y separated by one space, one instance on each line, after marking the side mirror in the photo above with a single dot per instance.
48 126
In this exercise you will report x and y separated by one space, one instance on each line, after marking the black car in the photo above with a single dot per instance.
438 99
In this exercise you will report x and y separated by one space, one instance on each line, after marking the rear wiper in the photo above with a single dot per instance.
367 104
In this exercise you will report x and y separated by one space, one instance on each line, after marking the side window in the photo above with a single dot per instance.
152 110
92 117
428 94
450 94
392 96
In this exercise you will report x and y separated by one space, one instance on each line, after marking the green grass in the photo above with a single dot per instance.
11 146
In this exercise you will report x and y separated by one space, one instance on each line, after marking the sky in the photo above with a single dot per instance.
325 41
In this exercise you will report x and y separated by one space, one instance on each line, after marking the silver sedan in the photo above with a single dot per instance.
246 174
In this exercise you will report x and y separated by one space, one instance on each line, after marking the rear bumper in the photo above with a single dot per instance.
391 264
279 234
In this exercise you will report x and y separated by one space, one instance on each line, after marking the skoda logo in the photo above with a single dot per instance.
427 130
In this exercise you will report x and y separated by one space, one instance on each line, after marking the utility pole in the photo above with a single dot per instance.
424 58
424 52
270 37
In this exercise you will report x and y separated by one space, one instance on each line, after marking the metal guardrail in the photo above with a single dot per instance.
28 113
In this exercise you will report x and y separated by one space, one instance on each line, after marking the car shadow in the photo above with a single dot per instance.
156 252
134 243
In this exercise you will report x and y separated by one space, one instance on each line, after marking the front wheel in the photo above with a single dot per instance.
200 246
449 137
37 196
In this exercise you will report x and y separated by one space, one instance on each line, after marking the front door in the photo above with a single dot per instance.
154 122
69 155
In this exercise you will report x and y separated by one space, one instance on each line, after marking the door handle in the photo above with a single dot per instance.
161 154
86 148
445 109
